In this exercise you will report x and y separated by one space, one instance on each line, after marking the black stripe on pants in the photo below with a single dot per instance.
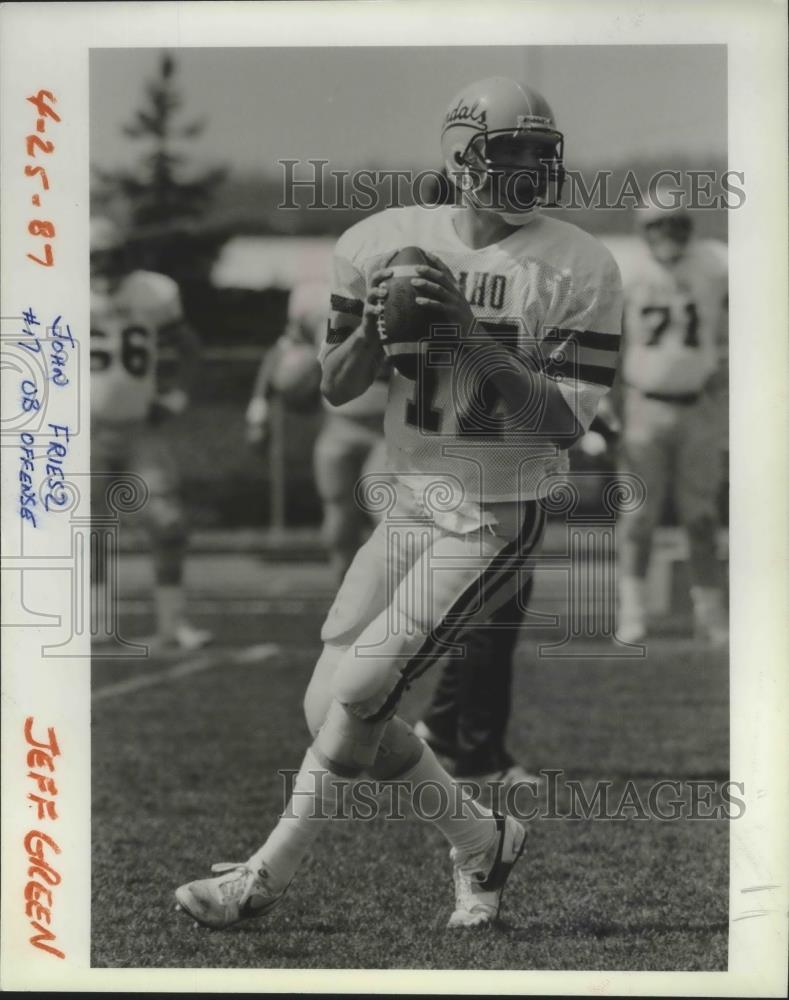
501 570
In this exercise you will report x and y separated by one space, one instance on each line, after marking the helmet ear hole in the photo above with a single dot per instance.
457 156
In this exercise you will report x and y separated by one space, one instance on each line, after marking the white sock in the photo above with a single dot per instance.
311 805
170 608
466 824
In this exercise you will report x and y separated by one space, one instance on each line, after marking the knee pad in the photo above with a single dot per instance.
398 751
366 683
396 647
347 745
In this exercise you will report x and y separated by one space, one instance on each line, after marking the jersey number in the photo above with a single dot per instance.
135 355
658 318
419 410
422 413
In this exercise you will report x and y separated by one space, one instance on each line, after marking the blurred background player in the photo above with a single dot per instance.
675 377
466 721
350 444
136 320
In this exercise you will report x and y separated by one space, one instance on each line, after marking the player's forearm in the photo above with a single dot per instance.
262 387
350 368
541 403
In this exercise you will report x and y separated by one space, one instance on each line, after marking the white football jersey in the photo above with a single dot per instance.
548 291
125 326
675 316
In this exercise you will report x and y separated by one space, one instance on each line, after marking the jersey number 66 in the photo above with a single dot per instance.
135 355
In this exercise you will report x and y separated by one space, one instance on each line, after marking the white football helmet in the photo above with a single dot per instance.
502 148
107 251
308 310
665 223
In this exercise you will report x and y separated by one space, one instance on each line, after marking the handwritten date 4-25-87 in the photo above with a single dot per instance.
35 145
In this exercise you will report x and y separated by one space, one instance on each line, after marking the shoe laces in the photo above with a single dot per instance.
464 894
468 871
239 884
467 875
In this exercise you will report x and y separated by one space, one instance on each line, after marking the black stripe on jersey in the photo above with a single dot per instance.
595 374
598 341
584 338
496 326
353 306
503 567
334 336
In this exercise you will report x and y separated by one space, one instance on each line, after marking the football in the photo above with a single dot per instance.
402 324
296 376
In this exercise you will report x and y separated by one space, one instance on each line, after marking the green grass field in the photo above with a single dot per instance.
185 774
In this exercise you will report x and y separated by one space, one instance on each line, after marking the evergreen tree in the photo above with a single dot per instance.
160 190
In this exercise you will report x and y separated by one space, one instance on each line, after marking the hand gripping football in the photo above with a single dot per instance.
402 324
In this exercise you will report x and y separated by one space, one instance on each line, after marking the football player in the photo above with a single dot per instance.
136 317
530 312
675 377
351 441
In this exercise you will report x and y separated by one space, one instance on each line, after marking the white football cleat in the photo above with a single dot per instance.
631 621
185 638
237 893
480 878
189 638
631 630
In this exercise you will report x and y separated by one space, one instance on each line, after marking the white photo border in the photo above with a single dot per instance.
46 46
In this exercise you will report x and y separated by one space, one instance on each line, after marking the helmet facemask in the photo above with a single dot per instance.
512 172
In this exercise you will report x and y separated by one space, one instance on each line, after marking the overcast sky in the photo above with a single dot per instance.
384 106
